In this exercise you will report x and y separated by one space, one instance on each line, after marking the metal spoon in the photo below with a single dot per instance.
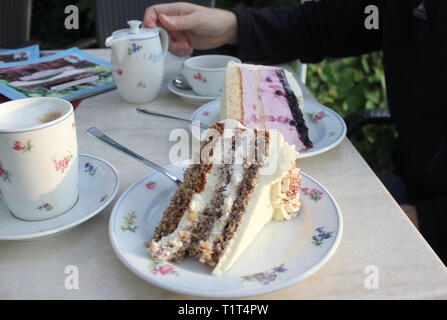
181 83
95 133
153 113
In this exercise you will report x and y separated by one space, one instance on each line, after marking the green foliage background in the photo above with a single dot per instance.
350 84
346 85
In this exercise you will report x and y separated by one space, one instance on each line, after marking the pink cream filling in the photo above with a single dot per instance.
277 114
252 116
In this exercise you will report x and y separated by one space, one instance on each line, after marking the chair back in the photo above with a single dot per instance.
15 22
112 15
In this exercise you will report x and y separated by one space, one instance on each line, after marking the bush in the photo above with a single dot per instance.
351 84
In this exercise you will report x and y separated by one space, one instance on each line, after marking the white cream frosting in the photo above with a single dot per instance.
261 208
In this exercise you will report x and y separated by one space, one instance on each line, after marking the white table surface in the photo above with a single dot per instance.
376 231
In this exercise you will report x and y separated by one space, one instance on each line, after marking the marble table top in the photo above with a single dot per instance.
377 234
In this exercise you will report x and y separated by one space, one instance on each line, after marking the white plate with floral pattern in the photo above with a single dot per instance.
326 128
281 255
98 185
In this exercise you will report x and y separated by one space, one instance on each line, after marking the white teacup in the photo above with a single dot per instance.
38 157
205 74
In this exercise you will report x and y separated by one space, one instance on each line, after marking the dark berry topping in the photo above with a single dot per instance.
298 117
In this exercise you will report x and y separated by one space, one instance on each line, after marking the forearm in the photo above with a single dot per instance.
232 27
310 32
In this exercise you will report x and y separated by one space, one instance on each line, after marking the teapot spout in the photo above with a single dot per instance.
119 47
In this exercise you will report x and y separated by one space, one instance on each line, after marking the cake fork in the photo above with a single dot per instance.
153 113
97 134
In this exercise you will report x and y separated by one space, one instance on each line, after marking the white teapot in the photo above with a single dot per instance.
138 61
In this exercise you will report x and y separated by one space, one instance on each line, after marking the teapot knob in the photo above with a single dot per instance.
134 25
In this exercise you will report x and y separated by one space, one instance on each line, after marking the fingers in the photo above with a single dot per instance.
150 19
152 14
179 44
180 49
178 23
159 15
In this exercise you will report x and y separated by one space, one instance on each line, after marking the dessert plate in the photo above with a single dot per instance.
98 184
326 128
188 95
281 255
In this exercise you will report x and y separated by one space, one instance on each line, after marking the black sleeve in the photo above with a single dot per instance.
310 31
432 216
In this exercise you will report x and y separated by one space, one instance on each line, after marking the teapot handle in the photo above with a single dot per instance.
164 38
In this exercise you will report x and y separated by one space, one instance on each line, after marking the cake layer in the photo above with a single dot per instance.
277 111
214 204
252 105
267 97
264 202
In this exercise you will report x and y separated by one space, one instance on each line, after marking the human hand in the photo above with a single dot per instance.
411 213
192 26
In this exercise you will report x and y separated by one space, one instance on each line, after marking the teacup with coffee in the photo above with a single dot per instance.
38 157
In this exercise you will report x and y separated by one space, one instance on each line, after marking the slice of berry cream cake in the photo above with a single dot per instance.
265 97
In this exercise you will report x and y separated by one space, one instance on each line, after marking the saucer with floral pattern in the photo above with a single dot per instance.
98 185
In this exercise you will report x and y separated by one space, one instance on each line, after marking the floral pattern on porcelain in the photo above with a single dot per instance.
133 48
265 277
103 198
5 174
129 222
312 194
317 116
321 236
141 84
45 207
151 185
90 169
154 57
19 146
198 76
162 268
64 163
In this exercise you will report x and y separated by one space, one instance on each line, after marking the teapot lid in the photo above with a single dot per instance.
135 32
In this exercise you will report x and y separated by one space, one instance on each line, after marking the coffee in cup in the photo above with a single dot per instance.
38 157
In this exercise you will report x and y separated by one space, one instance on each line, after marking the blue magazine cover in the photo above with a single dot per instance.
17 55
69 74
